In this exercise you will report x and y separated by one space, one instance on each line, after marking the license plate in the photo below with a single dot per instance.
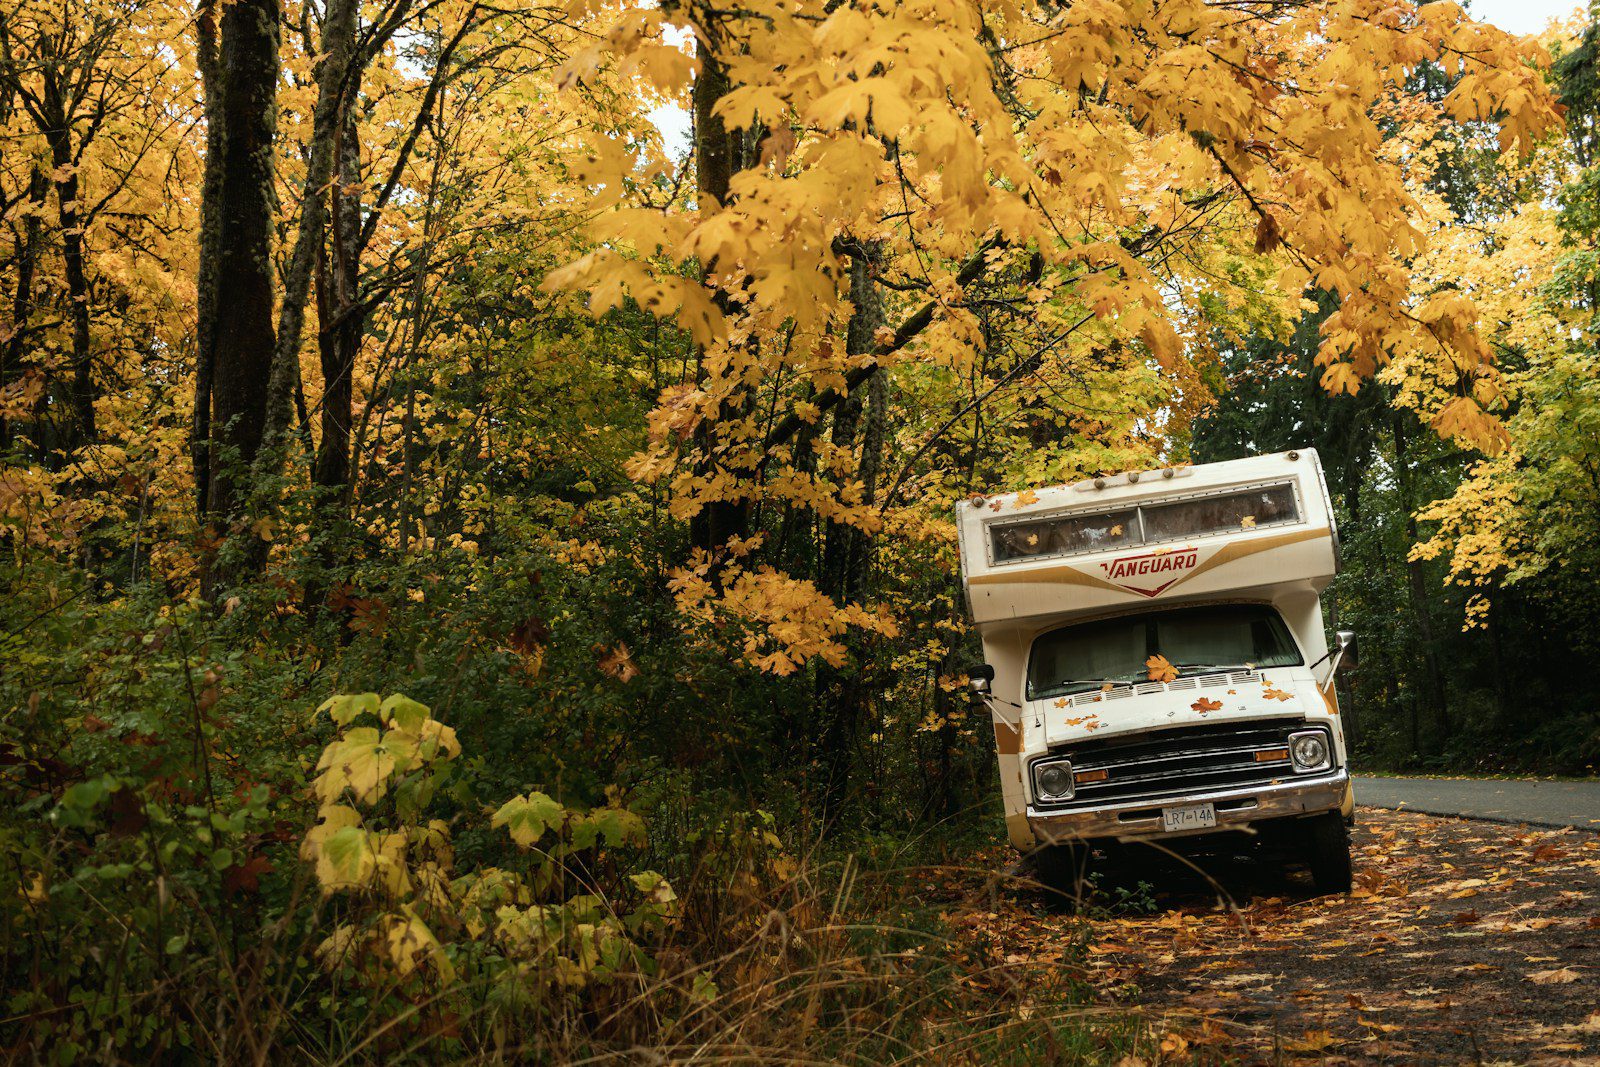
1196 817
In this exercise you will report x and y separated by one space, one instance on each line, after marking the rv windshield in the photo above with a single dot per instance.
1076 659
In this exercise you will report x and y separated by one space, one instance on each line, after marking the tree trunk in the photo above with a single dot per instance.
81 430
343 323
213 79
27 260
719 520
338 46
844 558
236 330
1417 588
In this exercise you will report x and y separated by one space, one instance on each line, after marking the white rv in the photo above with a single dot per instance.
1156 663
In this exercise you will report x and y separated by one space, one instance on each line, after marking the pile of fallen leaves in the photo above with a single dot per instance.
1462 941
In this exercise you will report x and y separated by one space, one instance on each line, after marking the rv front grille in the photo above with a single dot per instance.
1178 763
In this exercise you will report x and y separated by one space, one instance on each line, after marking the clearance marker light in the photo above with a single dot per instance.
1271 755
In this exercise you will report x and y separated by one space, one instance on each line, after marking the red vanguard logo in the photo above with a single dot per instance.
1150 573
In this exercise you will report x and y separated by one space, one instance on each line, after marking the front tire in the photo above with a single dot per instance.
1328 850
1063 869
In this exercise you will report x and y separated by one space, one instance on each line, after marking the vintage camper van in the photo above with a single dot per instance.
1156 664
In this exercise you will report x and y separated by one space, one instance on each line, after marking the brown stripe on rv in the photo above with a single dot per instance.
1059 575
1007 738
1240 549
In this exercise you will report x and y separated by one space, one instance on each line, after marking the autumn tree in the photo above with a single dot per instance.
1112 181
85 97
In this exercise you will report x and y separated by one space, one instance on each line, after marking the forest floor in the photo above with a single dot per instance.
1463 941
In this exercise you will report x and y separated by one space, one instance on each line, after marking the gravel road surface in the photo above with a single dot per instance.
1538 803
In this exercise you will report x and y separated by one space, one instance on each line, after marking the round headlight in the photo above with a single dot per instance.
1055 781
1309 751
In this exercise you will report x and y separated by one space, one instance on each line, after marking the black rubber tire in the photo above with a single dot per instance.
1063 869
1328 850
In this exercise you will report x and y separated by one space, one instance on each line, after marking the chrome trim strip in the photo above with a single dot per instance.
1176 776
1304 796
1164 757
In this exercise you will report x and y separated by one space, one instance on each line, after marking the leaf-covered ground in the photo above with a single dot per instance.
1464 941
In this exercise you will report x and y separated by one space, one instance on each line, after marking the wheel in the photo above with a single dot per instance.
1063 869
1328 849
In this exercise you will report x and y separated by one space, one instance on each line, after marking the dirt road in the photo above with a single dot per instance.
1463 942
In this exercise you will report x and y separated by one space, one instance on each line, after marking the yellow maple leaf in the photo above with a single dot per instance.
1160 669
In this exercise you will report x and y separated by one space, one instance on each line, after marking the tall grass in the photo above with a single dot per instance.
805 961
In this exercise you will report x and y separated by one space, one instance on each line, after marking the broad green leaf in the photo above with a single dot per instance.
362 763
615 826
434 739
411 944
528 817
344 709
83 796
345 859
403 713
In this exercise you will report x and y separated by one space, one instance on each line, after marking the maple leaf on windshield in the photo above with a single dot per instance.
1160 668
1205 704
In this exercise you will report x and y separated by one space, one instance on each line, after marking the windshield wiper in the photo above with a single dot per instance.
1215 666
1060 687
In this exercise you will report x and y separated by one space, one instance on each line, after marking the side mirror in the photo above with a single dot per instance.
1349 652
979 678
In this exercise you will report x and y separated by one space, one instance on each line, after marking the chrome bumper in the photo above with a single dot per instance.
1236 809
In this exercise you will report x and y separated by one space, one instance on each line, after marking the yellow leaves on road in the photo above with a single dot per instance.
1229 956
1553 976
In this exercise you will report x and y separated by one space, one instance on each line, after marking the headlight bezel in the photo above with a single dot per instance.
1323 738
1044 794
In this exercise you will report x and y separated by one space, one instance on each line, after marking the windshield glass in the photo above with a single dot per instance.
1076 659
